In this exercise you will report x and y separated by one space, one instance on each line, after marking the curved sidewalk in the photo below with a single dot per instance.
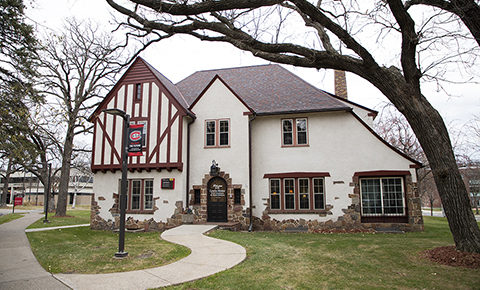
19 269
208 256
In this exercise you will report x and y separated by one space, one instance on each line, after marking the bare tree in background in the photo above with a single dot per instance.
77 68
361 29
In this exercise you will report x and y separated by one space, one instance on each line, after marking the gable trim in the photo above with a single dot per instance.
217 77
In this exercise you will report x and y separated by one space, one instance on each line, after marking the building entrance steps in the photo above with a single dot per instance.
208 256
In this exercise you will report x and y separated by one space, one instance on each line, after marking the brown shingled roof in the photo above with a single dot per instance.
266 89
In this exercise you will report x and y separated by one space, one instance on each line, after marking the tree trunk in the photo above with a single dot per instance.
3 201
432 134
65 173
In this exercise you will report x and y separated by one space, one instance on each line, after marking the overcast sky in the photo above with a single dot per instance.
181 56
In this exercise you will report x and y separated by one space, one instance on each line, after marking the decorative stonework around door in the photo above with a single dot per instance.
203 211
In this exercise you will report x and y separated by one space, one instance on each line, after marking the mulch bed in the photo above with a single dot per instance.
451 257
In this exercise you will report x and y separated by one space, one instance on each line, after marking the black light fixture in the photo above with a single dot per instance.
214 169
123 195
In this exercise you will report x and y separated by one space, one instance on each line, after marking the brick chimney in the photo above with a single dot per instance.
341 84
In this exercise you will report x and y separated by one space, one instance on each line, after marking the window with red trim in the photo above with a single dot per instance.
217 133
294 132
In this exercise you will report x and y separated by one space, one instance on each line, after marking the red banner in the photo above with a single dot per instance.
135 140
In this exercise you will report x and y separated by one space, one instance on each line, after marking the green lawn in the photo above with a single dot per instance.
81 250
10 217
340 261
74 217
274 260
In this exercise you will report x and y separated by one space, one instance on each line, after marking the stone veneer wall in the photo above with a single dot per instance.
98 223
235 212
349 221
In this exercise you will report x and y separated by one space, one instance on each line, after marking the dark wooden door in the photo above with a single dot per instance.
217 200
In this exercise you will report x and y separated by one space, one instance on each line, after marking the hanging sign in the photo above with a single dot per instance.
135 136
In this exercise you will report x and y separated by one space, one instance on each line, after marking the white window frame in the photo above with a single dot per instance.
383 205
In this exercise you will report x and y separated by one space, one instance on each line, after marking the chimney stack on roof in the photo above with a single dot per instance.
341 84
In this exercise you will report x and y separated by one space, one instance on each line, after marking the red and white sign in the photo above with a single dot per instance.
135 140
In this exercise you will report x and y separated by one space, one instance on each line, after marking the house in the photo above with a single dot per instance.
254 146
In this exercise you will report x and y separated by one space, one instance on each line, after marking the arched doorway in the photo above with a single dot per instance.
217 200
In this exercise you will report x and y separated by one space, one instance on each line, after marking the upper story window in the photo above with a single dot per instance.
217 133
138 91
294 132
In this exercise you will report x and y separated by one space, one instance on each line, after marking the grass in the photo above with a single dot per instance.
274 260
10 217
74 217
340 261
81 250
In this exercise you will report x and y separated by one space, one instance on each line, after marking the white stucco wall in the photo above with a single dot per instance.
338 144
218 102
105 184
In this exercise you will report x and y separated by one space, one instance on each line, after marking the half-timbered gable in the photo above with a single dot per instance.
152 100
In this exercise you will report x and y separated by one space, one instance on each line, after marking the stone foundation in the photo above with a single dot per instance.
98 223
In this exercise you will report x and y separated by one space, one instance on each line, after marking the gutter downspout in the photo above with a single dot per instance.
188 157
250 169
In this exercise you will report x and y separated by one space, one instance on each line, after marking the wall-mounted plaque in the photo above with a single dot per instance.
168 183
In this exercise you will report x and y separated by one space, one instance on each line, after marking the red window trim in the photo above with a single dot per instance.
296 176
142 198
217 133
294 133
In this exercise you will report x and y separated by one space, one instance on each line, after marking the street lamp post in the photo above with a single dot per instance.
123 195
46 195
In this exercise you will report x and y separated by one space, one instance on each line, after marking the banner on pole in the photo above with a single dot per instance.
135 140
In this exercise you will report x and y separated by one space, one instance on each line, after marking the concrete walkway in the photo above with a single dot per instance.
209 256
19 269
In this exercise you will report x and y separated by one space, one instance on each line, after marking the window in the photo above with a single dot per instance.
223 133
217 133
139 195
149 194
275 194
294 132
289 193
318 196
382 196
210 137
302 192
237 196
196 196
138 91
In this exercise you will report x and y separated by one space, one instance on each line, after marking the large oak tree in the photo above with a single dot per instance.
78 66
334 37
